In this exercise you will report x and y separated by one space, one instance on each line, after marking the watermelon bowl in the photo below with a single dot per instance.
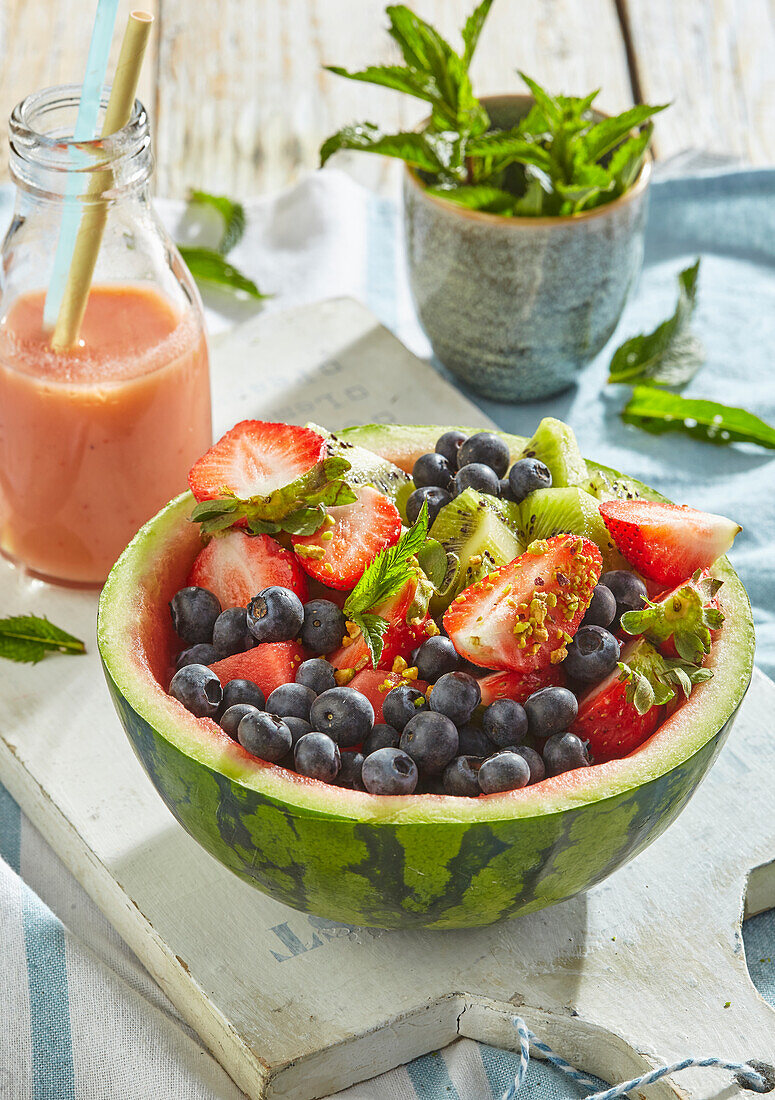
416 861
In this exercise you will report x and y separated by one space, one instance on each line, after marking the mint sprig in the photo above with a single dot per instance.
28 638
385 577
670 355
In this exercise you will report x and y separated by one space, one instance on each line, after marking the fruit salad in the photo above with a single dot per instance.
464 622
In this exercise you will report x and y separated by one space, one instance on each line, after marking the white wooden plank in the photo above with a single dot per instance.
639 969
714 62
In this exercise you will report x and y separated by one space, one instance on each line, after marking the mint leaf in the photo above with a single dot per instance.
606 134
473 28
477 196
546 102
389 571
233 214
28 638
670 355
365 136
627 160
401 79
659 411
373 628
405 29
510 145
210 267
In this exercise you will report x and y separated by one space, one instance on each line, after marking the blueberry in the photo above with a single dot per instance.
505 723
563 752
344 714
476 476
198 689
526 476
194 611
291 701
233 715
456 695
389 771
505 771
436 657
431 740
592 655
534 762
230 633
602 608
275 615
298 727
432 469
629 592
401 704
242 691
382 736
550 710
264 735
431 495
316 674
461 776
350 771
317 755
487 449
449 444
323 627
474 742
200 654
504 490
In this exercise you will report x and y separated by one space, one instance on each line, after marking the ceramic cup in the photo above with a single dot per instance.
515 307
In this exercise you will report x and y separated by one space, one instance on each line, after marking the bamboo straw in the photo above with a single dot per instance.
87 245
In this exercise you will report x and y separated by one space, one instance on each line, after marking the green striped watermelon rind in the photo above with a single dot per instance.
419 860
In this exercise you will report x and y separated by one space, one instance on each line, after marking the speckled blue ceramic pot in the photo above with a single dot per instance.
515 307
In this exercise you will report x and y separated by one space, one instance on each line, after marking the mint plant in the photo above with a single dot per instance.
558 160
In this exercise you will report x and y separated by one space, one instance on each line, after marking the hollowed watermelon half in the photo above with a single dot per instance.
423 861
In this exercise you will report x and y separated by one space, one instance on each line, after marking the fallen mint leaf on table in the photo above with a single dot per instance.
210 267
670 355
659 411
29 638
233 214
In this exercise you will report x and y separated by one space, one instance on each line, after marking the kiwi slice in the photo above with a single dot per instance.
480 533
367 468
605 486
548 512
554 443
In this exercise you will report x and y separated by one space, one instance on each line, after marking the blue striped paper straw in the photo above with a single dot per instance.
85 130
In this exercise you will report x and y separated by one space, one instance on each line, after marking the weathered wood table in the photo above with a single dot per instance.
240 103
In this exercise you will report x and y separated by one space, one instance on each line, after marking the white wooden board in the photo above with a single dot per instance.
638 970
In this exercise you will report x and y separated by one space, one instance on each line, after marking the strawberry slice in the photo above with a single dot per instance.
269 665
254 459
522 616
409 624
518 685
235 566
349 539
667 542
375 685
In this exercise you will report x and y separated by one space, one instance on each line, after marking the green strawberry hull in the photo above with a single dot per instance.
422 861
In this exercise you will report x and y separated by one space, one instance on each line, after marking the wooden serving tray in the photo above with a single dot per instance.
647 966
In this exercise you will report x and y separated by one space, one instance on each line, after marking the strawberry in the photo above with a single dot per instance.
620 713
254 459
522 616
269 665
409 624
680 622
235 566
518 685
667 542
349 539
375 685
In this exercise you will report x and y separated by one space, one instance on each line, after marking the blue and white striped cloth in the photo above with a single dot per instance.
79 1017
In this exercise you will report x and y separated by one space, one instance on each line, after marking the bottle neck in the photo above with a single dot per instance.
45 161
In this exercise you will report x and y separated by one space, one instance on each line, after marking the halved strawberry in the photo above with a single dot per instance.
667 542
254 459
409 624
681 622
518 685
235 566
523 615
268 665
349 539
375 685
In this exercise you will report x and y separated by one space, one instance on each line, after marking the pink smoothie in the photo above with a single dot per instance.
94 441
